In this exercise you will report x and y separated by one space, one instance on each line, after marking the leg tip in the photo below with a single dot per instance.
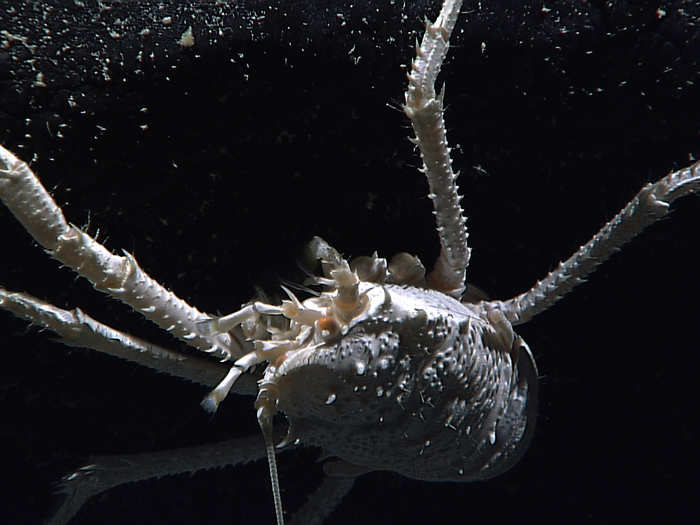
210 404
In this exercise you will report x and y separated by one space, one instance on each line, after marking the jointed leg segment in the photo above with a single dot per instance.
651 203
424 108
76 328
120 277
106 472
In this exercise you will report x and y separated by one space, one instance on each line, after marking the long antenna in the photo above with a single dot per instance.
266 403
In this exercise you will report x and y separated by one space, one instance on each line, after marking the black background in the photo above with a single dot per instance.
283 122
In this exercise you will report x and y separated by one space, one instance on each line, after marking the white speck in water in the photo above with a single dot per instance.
187 38
331 399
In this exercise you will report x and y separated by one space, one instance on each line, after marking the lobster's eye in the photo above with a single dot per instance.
327 327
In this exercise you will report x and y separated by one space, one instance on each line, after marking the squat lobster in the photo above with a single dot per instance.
455 372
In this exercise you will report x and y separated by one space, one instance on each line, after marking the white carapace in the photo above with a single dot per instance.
416 382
